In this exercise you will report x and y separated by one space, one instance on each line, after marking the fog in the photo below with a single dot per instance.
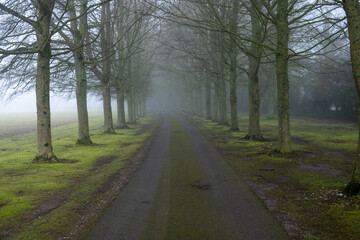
27 103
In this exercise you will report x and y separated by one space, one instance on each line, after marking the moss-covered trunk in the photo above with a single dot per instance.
254 56
222 102
81 98
352 10
208 99
108 119
282 61
44 144
270 98
254 132
120 100
78 30
143 106
199 100
234 125
131 107
106 46
215 116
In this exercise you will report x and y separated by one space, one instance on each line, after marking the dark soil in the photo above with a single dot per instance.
322 168
47 207
144 129
200 186
104 160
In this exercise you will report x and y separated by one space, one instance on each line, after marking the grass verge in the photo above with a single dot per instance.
303 190
52 201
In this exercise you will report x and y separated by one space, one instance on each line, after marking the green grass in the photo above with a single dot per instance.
305 186
180 210
25 186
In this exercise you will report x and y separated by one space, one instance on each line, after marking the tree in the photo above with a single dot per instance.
43 11
101 67
352 10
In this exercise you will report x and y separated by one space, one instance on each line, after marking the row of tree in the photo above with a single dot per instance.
221 43
100 47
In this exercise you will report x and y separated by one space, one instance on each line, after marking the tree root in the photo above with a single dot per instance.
45 159
234 129
254 137
352 188
110 131
122 127
85 141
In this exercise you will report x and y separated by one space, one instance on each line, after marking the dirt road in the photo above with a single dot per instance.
186 191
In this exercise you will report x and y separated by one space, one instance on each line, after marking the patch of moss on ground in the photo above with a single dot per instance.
303 189
45 201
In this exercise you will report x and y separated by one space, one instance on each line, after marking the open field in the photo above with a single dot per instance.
12 124
51 201
303 190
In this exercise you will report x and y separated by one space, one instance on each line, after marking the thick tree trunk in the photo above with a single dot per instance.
254 132
106 39
254 57
108 119
270 99
44 144
222 103
81 101
143 107
131 110
282 60
78 33
136 107
234 125
199 101
208 99
352 10
215 117
121 121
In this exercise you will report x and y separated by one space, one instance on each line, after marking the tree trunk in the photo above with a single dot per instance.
282 60
78 30
352 10
108 119
121 121
143 107
44 144
254 57
131 108
270 99
208 99
106 45
234 125
254 132
222 102
81 101
215 117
